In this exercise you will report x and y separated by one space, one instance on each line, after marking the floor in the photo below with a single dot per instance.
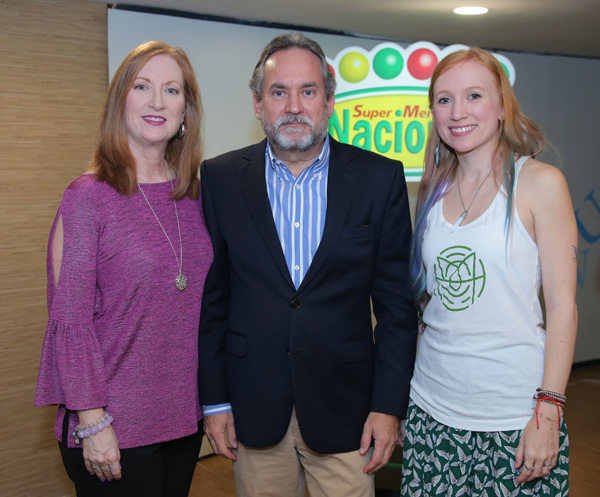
214 476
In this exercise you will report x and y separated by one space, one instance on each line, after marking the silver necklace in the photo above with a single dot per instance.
181 280
465 211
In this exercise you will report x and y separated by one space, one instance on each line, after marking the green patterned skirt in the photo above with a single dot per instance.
443 461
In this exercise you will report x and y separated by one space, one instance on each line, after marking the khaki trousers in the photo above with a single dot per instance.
286 468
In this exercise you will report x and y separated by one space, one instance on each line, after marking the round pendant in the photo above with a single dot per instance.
180 282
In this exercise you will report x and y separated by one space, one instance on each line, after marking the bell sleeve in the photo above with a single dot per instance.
72 370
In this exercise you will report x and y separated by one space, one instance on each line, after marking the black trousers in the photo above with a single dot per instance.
159 470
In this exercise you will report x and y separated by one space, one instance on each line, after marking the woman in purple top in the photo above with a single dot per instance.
127 258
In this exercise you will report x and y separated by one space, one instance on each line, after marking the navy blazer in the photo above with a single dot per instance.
266 347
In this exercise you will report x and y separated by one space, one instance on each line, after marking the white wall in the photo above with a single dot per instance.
560 93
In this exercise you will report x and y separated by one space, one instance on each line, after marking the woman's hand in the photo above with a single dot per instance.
100 451
402 434
101 455
538 449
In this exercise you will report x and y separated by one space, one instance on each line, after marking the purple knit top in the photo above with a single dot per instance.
119 334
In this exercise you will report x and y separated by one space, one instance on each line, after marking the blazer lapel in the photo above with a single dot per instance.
341 182
254 189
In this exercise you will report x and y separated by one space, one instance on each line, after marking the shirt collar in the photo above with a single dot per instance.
320 161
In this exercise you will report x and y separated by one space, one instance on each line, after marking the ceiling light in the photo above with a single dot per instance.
470 11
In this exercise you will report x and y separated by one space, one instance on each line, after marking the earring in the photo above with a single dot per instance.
180 132
436 156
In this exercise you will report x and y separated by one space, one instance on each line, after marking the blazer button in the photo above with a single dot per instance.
295 304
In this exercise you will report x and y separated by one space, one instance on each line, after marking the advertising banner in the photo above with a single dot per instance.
382 99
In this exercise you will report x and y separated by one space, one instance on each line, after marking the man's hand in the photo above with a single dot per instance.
220 430
383 428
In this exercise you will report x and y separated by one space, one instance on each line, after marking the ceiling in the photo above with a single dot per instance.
560 27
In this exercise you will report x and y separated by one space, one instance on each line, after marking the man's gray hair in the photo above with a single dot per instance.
285 42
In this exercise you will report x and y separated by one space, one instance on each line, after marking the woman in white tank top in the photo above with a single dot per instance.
487 394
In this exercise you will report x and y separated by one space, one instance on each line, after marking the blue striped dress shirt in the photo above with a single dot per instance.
299 206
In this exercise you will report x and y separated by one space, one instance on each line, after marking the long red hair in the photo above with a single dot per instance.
517 134
113 162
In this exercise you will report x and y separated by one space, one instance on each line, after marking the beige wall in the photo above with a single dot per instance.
53 74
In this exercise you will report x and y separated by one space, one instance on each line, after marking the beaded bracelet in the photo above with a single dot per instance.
84 431
559 397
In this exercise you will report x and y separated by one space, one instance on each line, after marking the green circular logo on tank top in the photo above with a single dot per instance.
460 276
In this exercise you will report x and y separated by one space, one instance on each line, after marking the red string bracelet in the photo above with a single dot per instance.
549 400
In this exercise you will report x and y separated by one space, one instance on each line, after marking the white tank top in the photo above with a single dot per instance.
481 356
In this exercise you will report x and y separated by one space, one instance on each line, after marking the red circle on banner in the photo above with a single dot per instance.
331 69
421 63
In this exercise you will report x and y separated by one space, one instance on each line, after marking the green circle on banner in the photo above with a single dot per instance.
388 63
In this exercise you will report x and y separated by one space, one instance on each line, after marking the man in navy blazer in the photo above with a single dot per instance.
297 386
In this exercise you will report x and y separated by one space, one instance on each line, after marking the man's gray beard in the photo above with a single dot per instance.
303 143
